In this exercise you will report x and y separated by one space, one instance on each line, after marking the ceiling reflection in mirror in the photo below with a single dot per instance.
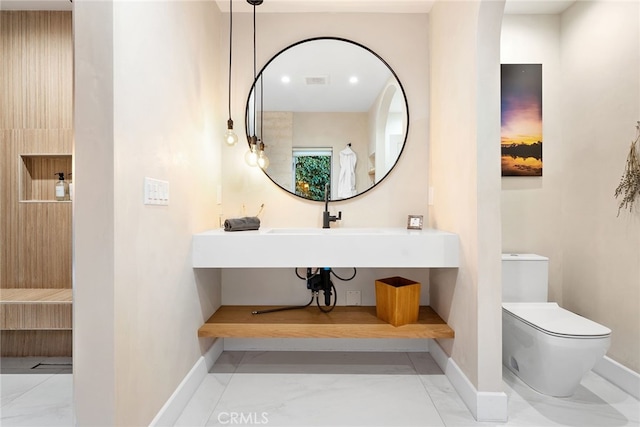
328 110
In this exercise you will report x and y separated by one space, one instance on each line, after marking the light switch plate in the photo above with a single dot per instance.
156 192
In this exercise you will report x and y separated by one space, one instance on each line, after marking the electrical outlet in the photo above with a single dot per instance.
354 298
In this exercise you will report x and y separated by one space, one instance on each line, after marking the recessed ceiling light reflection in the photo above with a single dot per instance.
353 80
285 79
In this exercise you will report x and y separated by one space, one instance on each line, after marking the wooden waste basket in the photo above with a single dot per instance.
397 300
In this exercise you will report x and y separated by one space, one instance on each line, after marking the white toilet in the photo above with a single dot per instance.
546 346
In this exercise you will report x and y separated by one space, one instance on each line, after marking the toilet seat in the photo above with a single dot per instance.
551 319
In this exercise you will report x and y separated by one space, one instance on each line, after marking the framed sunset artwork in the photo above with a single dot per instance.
521 119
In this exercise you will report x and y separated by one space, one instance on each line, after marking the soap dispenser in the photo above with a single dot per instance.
61 188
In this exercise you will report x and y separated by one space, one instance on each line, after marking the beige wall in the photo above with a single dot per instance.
464 173
530 205
601 106
149 104
591 102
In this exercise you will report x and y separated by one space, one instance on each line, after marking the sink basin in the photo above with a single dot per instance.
352 231
294 231
316 231
326 247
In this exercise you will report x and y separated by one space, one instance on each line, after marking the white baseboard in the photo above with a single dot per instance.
619 375
173 407
326 344
484 406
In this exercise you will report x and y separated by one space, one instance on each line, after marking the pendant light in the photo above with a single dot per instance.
251 157
263 160
230 136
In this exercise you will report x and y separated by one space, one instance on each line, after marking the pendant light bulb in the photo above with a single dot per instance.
263 160
251 156
230 136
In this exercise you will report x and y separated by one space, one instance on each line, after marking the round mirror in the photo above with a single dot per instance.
329 111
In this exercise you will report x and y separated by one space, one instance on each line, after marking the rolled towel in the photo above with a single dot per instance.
242 224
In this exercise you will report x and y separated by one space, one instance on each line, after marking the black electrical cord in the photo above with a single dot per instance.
261 107
293 307
307 278
255 95
299 276
345 280
314 295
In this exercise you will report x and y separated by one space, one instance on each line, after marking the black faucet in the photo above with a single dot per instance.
327 218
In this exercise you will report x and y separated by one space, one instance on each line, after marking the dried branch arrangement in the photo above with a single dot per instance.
629 187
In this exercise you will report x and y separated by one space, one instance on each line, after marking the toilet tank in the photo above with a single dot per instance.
525 278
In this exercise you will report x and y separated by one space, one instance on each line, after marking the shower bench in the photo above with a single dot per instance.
36 312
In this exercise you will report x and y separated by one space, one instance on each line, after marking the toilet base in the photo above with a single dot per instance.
566 391
551 365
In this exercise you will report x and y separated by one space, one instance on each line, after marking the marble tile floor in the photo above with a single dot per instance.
36 391
331 389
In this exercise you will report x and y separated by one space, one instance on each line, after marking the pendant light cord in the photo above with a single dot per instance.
261 106
254 70
230 49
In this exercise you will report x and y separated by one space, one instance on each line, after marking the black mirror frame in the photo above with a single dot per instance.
406 105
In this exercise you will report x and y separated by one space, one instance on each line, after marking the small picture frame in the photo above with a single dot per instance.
414 222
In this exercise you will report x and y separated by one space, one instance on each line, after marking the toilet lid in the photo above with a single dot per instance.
523 257
554 320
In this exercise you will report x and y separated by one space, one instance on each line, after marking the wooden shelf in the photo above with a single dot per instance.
36 309
25 295
44 201
342 322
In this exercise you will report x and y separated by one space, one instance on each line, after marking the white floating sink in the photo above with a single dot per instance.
334 247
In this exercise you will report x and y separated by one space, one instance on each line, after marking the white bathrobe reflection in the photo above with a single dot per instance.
347 178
